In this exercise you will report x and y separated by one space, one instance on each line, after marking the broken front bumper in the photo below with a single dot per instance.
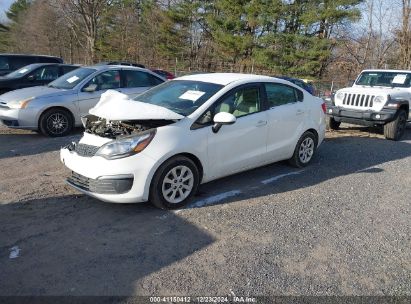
125 180
365 118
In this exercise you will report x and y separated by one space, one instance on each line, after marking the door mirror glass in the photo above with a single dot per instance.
222 118
90 88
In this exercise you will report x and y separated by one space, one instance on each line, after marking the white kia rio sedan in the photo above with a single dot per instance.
191 130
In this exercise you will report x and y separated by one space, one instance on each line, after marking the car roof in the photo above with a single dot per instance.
50 63
111 67
382 70
31 55
224 78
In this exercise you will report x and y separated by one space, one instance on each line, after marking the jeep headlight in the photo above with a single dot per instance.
19 104
339 96
380 98
126 146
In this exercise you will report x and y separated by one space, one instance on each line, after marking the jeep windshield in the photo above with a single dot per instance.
180 96
385 79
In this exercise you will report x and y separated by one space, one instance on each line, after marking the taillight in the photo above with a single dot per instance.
324 107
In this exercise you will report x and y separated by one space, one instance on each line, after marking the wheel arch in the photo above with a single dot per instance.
57 108
406 107
195 159
314 131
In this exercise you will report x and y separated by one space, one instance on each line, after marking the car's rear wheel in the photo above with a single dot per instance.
174 183
332 124
395 129
56 122
304 150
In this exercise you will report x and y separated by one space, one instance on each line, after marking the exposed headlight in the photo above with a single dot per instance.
380 98
126 146
19 104
339 96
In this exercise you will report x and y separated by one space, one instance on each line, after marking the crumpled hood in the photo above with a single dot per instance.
40 91
117 106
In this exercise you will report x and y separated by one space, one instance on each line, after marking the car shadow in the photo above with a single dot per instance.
24 143
337 156
73 245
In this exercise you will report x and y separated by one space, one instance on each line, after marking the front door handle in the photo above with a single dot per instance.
261 123
299 112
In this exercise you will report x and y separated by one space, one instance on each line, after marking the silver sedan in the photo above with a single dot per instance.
57 108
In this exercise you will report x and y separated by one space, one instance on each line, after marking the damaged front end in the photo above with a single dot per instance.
115 129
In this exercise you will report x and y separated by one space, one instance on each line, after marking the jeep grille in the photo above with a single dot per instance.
358 100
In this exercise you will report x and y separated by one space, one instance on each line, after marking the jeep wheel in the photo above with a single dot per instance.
395 129
332 124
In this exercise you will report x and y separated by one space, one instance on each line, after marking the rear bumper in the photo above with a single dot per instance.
365 118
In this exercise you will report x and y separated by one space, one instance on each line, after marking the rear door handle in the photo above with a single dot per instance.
261 123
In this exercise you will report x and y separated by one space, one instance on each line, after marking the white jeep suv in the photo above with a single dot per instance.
378 97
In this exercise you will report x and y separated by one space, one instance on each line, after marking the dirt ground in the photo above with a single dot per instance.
339 227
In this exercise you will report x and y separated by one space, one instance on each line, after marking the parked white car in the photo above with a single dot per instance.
377 98
188 131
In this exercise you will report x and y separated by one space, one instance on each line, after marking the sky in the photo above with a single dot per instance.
4 6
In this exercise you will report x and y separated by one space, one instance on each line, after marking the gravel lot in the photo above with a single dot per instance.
339 227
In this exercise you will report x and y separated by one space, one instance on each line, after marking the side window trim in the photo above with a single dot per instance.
263 104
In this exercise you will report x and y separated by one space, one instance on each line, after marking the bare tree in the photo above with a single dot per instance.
85 20
404 35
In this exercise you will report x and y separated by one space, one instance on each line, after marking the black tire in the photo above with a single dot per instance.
331 123
297 160
56 122
158 197
395 129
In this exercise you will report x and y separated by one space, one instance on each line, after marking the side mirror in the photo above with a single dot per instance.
31 78
90 88
351 83
222 118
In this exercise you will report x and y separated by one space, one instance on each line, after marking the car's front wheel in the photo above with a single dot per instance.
304 150
174 183
56 122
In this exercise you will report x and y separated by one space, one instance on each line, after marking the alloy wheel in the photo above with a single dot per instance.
57 123
177 184
306 151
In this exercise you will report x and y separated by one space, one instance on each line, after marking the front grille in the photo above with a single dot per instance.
358 100
102 186
86 150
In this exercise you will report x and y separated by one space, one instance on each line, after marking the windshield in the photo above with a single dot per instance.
22 71
385 79
180 96
70 80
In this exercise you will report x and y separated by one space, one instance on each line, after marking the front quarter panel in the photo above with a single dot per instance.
40 105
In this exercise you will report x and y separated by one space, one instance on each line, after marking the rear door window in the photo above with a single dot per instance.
281 94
